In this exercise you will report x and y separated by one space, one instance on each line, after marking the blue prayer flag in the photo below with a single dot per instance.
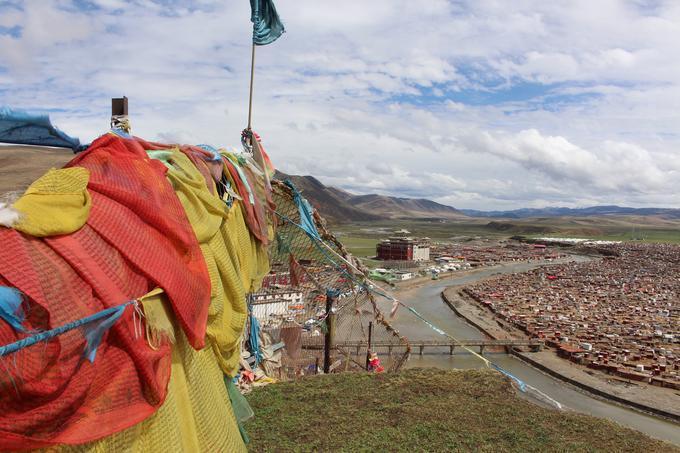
267 26
10 307
22 128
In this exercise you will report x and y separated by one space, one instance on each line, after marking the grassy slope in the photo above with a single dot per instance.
423 410
360 246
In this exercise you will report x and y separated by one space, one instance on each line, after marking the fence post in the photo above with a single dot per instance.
370 343
330 330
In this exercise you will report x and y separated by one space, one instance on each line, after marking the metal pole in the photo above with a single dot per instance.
252 76
370 343
328 341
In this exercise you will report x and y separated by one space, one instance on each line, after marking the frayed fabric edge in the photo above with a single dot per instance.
8 215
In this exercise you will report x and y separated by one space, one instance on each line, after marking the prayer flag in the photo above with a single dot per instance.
267 26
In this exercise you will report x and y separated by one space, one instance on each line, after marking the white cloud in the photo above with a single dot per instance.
44 26
615 167
479 104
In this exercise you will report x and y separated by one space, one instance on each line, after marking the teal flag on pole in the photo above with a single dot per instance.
267 26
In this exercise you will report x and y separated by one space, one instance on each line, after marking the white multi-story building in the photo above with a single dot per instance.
421 252
278 303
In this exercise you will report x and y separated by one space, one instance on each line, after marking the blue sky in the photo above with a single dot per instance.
480 104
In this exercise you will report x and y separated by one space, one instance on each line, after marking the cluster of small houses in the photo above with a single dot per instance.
290 310
442 265
448 264
620 315
279 301
484 254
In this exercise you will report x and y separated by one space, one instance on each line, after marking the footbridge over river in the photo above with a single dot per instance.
422 345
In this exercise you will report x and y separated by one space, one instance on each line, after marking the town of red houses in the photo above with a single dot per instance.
620 315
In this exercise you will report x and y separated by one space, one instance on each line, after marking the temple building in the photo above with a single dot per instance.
401 247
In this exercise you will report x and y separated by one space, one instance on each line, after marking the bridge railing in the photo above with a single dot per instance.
436 343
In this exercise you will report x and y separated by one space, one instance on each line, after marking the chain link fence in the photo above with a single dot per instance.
316 310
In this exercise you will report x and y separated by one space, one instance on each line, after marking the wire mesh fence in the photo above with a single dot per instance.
315 306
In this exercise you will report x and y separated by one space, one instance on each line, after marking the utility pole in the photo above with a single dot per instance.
370 343
330 330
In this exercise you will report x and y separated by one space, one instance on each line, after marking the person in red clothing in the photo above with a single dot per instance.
374 363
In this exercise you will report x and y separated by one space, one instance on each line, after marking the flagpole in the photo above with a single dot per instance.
267 28
252 76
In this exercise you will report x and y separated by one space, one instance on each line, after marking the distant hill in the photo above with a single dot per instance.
341 206
578 212
332 203
21 165
393 207
507 227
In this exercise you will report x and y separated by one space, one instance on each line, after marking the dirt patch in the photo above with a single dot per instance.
21 165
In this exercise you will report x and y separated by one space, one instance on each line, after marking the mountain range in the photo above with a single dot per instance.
576 212
340 206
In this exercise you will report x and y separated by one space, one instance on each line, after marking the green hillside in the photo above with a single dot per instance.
423 410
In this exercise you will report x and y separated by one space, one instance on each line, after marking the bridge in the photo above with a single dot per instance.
421 345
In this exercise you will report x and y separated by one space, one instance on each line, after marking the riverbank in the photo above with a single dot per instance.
654 400
416 282
424 280
424 410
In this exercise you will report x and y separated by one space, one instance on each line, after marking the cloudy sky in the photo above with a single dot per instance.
480 104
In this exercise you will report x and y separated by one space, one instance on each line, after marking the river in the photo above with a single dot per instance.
426 299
